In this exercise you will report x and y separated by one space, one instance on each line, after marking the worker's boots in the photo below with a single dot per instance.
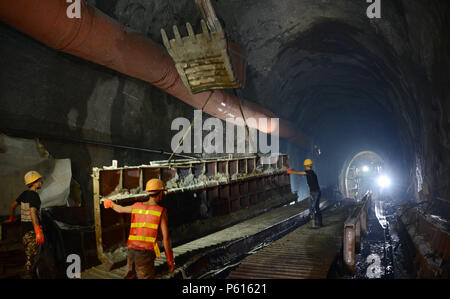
316 220
313 220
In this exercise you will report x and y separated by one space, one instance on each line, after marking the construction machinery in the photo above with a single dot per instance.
202 197
209 60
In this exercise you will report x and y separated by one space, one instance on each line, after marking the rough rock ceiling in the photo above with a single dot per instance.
313 58
303 50
309 60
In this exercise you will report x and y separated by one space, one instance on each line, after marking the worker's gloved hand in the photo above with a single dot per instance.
39 234
289 170
10 219
108 203
170 261
171 268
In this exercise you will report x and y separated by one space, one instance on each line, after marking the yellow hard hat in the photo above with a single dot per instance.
31 177
308 162
154 186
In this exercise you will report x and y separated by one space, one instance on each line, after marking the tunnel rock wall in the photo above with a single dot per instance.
310 57
64 100
87 112
430 47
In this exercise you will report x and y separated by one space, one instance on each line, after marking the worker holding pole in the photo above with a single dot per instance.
30 207
314 192
148 221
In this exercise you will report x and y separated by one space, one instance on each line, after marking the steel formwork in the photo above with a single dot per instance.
198 190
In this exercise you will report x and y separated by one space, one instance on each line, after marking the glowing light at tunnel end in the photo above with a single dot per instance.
384 181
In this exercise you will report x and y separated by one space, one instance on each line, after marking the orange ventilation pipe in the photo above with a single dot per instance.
100 39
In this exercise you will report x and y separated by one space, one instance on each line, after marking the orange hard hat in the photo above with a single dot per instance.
155 186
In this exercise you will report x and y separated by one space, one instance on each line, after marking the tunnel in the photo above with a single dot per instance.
93 98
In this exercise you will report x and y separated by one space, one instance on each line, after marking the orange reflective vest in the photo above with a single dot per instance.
145 220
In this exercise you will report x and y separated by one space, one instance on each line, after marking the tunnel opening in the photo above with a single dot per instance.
362 174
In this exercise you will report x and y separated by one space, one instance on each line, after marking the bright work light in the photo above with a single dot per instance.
384 181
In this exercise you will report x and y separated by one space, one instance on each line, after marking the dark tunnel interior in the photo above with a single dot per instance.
347 82
340 91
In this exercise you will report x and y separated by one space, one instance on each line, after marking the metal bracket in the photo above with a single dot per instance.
208 13
206 61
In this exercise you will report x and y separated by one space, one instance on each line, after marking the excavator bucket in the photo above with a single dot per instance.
206 61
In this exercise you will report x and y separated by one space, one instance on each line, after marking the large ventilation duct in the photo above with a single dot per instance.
102 40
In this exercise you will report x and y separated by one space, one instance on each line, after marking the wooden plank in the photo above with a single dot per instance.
303 253
97 216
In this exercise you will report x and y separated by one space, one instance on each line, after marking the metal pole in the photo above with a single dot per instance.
349 248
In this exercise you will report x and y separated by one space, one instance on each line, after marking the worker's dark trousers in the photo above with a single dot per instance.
314 202
140 264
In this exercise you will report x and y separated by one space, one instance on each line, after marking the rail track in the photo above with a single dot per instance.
303 253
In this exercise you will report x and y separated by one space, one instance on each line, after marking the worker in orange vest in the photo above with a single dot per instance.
148 221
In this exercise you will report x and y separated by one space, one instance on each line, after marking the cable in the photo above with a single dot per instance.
24 134
243 116
189 129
